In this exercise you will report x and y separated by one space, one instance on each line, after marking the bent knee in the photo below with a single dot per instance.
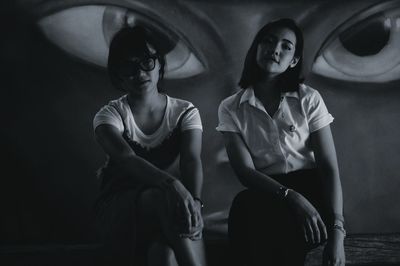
161 250
152 203
151 198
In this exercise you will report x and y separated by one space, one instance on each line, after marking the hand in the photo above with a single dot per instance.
186 211
314 229
197 222
334 250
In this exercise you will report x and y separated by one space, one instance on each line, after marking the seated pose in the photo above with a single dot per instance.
147 215
279 143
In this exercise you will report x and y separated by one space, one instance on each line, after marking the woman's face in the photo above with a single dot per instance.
141 73
275 52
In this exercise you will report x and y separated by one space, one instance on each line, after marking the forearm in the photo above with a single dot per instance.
142 171
192 176
332 189
257 180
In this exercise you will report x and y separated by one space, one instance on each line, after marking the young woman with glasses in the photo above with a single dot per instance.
279 143
148 215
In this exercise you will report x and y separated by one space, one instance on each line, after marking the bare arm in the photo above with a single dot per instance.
119 150
325 157
190 161
239 156
242 164
192 176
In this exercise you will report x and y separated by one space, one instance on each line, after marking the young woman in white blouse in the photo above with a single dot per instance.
279 143
147 215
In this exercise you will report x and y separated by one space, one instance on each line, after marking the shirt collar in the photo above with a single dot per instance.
249 96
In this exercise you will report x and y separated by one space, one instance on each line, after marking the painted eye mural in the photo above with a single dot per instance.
365 48
86 31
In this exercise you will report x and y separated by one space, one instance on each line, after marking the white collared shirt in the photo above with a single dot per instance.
278 144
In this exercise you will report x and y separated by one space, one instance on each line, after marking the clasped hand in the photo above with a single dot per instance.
185 211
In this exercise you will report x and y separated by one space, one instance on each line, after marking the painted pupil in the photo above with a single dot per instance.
367 38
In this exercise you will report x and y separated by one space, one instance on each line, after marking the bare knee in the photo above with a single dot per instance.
160 253
151 201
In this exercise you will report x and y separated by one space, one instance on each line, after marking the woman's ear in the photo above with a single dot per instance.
294 62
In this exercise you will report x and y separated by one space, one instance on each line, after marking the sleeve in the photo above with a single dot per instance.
191 120
225 120
317 113
110 116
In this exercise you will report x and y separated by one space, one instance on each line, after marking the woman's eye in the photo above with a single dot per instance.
364 49
86 32
287 47
267 41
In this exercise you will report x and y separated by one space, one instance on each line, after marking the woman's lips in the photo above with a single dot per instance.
273 59
142 81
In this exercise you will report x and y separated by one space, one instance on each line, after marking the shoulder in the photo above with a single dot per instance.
231 102
114 106
306 90
111 113
185 112
308 94
178 105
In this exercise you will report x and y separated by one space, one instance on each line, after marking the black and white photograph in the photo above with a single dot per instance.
200 133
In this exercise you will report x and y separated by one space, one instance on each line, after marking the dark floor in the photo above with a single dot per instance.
361 250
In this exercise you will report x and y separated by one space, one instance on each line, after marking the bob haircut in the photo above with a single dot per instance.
132 42
288 80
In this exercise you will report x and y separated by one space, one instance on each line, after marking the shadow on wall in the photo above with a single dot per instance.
52 98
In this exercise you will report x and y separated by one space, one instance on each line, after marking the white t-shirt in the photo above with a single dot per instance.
175 108
278 144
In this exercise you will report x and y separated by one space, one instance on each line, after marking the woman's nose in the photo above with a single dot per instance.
142 73
277 50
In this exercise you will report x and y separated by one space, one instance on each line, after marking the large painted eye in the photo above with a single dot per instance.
86 32
366 48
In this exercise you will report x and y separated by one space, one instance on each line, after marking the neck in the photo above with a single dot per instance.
144 99
267 88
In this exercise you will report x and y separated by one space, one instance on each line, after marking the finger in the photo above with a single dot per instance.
322 228
305 233
310 234
316 233
186 217
193 213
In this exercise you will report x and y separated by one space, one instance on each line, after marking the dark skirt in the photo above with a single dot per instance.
263 229
117 214
119 229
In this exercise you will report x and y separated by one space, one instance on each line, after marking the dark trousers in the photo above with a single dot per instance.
263 230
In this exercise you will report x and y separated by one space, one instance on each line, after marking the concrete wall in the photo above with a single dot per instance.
49 99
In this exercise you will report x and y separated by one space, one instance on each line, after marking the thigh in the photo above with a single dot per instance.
116 219
160 253
151 214
263 229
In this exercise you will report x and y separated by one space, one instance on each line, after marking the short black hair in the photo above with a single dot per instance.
132 42
290 79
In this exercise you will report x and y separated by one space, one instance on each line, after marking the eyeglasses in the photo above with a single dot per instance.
131 68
